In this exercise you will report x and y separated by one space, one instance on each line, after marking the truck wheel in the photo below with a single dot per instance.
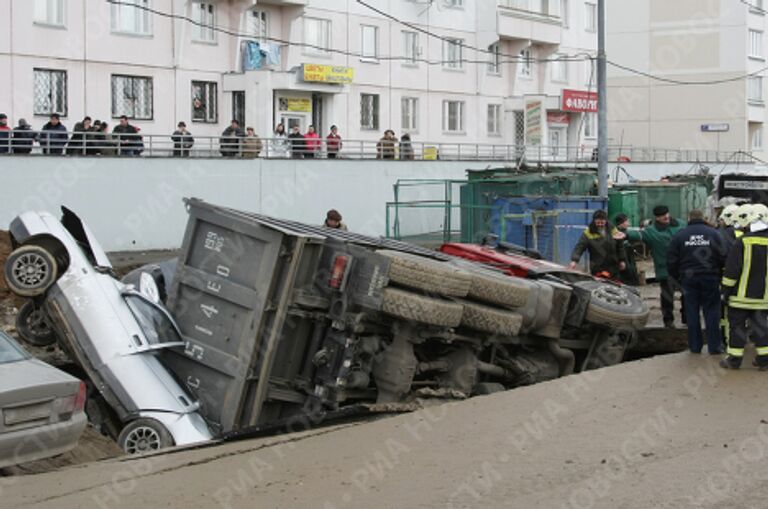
144 435
32 326
30 270
499 289
426 274
420 308
614 306
490 319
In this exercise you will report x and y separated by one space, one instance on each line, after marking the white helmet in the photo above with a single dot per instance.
744 215
759 213
728 215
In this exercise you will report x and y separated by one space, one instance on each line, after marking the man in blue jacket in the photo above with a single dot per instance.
695 258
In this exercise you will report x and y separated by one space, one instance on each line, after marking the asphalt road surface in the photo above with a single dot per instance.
669 432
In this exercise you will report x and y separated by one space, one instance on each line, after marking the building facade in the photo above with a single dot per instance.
704 50
455 71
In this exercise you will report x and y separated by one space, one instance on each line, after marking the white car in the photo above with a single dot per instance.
113 331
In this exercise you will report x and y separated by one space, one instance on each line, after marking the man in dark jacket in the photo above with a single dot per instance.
695 257
182 141
296 139
128 139
23 138
606 255
628 276
229 143
77 143
5 134
53 136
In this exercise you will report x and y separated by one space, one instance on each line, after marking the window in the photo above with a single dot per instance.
564 13
494 119
755 89
50 92
132 17
317 35
369 42
411 47
590 125
132 97
204 14
256 25
559 69
524 65
204 101
453 116
756 44
410 107
238 106
757 138
454 3
453 53
494 59
49 12
369 111
590 20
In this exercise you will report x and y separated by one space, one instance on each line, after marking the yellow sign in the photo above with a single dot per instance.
296 104
327 73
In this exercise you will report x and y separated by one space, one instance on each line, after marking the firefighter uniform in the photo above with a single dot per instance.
745 288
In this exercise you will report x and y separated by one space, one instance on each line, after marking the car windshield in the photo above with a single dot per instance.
155 324
10 351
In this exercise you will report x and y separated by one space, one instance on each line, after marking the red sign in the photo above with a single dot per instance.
557 117
579 101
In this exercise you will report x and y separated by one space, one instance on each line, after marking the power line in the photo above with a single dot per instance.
689 83
754 7
233 33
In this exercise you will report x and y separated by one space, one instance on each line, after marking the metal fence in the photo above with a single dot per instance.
153 145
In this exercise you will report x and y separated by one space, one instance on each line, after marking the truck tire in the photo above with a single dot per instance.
489 319
420 308
426 274
502 290
614 306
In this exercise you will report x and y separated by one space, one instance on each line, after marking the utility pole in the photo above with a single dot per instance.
602 105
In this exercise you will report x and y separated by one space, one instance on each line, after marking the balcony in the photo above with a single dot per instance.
537 21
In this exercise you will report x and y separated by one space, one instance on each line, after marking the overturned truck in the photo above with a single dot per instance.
281 319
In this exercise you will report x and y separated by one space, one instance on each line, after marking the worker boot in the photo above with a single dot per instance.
731 362
761 362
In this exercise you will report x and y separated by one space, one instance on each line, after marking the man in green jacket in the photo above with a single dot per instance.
657 237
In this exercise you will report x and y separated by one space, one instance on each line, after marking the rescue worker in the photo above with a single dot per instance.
606 252
745 288
657 237
695 259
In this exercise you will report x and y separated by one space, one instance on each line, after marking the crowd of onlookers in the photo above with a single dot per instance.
90 137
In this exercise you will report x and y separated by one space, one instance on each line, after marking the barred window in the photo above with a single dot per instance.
410 108
49 12
132 17
453 116
369 111
205 18
205 101
50 92
132 97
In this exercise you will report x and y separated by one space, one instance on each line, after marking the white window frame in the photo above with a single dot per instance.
494 59
131 19
454 4
525 64
756 44
453 53
411 48
133 81
205 15
371 124
209 96
366 53
755 87
494 120
456 109
590 125
257 24
322 43
50 12
565 15
47 76
757 138
409 110
590 17
559 68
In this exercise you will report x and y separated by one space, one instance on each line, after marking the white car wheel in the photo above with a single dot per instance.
144 435
30 270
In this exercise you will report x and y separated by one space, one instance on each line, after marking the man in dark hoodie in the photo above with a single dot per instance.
53 136
695 258
23 138
657 237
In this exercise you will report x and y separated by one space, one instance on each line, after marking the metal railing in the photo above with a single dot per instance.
153 145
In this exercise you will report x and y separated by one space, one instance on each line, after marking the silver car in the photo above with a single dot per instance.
41 407
113 331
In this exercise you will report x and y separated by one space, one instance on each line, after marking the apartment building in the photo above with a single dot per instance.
467 71
688 43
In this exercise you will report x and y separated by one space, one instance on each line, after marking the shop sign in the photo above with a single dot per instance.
327 73
715 128
579 101
558 117
534 125
295 104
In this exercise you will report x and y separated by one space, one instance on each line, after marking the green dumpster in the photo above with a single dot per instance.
624 202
